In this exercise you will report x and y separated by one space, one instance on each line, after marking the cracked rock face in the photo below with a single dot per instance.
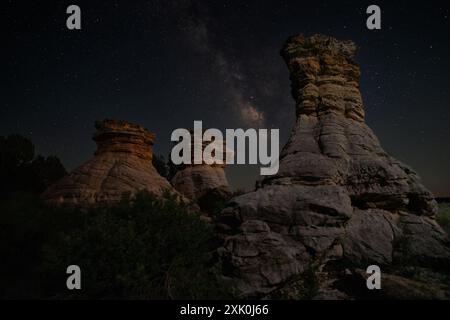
121 164
338 198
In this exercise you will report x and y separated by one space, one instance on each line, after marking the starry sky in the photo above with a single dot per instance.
164 64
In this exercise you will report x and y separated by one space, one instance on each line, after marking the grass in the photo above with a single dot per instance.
443 216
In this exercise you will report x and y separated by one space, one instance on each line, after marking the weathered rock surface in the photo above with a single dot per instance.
122 164
339 201
194 181
203 183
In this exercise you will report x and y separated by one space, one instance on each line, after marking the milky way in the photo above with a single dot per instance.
164 64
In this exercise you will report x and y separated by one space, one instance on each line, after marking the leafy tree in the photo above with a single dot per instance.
44 172
15 151
172 168
160 165
20 171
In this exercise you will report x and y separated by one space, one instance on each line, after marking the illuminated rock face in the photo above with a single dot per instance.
338 198
203 183
121 164
196 180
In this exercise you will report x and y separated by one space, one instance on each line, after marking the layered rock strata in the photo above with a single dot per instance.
339 202
203 183
122 164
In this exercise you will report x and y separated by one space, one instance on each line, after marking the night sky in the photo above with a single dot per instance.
164 64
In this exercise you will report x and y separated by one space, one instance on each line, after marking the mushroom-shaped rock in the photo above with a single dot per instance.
204 183
122 164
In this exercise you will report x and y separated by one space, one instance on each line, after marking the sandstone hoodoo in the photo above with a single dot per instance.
203 183
339 202
121 164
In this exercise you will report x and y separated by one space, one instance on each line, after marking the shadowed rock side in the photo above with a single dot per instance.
122 164
203 183
339 202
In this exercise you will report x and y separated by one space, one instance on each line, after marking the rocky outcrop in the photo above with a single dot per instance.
194 181
203 183
339 202
121 164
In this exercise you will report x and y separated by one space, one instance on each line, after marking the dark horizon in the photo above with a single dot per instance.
164 65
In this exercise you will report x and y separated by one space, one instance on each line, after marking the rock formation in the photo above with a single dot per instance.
122 164
339 202
203 183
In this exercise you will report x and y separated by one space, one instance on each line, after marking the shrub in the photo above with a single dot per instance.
443 216
146 248
141 248
26 226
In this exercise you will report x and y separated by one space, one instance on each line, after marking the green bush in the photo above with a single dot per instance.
26 226
443 216
141 248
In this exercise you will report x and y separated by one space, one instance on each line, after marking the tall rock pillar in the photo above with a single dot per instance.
339 201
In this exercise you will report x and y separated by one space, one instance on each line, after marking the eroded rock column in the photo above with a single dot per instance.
339 200
203 183
121 164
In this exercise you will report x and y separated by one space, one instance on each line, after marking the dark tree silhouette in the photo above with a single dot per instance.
160 165
21 172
